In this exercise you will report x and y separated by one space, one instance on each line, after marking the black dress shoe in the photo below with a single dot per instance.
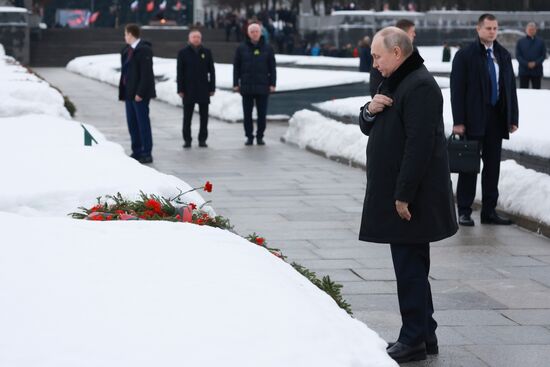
402 353
187 144
203 144
146 159
260 141
249 142
431 346
494 218
466 220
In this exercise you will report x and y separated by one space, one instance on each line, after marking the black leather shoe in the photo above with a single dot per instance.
402 353
260 141
249 142
466 220
145 160
494 218
203 144
431 346
187 144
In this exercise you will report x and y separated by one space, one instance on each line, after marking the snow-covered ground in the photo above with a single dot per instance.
142 293
533 136
522 191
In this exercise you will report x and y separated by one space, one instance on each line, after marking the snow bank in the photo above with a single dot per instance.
51 172
522 191
23 92
163 294
311 129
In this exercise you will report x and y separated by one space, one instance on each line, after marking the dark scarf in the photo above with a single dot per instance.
390 84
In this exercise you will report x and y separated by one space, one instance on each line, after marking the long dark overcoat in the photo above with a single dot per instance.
471 89
254 68
136 77
196 75
407 161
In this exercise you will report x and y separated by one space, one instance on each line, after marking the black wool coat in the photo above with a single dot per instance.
136 77
407 161
196 75
254 68
471 89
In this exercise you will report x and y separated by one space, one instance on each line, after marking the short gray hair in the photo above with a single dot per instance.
395 37
531 24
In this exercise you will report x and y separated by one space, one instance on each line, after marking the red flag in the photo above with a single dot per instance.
150 6
94 17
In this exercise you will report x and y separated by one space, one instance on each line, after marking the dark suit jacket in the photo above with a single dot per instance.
254 68
530 49
136 77
471 89
196 76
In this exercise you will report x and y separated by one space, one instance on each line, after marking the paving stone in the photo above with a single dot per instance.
471 318
451 356
514 293
529 316
370 287
509 335
512 355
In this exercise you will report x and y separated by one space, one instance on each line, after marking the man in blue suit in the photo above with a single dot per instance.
531 53
485 108
136 88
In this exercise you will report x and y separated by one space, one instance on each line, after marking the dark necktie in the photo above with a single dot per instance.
130 54
492 76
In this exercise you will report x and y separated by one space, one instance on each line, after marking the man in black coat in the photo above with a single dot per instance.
485 108
255 77
375 78
365 58
136 88
196 79
531 53
408 201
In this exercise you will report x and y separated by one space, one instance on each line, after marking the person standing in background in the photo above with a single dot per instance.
365 58
196 80
136 88
530 53
485 108
254 76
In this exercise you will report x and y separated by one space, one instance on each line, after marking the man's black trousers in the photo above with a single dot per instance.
261 109
188 109
411 263
524 82
491 147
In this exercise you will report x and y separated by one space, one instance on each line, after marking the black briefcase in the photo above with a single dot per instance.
463 154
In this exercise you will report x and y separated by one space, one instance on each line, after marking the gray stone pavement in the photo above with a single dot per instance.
491 285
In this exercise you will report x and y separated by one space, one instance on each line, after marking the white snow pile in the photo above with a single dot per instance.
117 294
533 136
523 191
23 92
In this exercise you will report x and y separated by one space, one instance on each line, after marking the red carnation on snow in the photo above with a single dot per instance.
260 241
154 205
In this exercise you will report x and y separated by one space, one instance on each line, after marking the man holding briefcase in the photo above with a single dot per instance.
485 108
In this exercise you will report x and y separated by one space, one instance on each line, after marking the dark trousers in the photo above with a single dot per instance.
524 82
139 126
491 147
411 263
188 109
261 109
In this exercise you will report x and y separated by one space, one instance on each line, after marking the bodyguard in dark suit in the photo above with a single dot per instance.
375 78
408 201
255 77
196 79
531 53
365 58
485 108
136 88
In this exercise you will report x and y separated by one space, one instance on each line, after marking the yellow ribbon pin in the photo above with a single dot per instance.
256 52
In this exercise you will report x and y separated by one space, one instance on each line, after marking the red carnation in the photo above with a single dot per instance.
96 208
260 241
154 205
208 186
193 206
